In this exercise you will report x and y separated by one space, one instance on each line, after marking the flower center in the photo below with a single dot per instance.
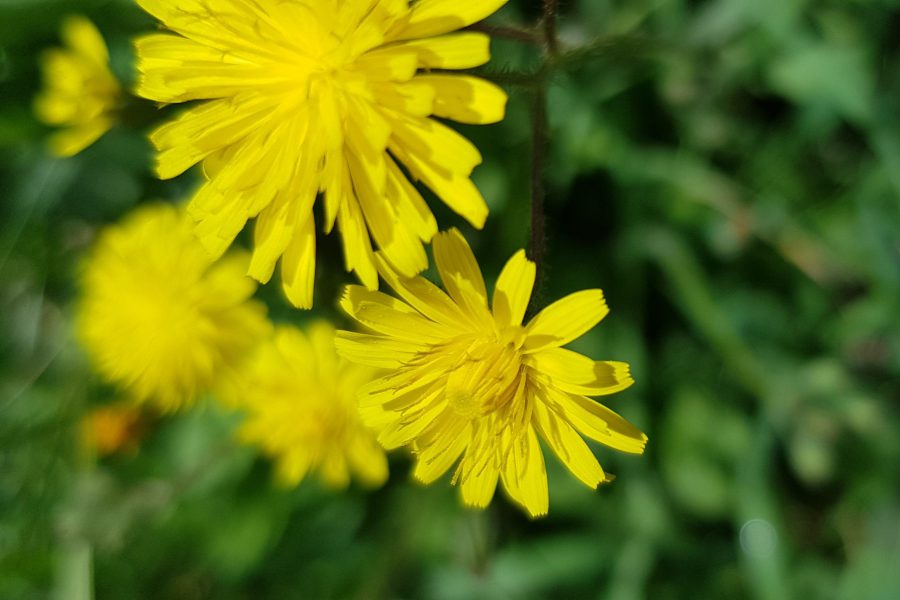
485 378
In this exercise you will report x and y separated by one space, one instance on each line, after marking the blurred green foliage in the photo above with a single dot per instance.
727 170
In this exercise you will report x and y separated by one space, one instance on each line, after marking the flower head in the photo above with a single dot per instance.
300 400
81 94
158 317
471 380
332 96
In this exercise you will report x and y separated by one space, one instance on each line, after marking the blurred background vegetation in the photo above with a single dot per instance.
727 170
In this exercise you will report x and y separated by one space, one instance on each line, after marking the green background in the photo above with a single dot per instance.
728 171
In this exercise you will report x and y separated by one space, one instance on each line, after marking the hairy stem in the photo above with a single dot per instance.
537 247
509 32
551 8
540 142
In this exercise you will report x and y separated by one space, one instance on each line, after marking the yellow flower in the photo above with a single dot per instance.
111 429
473 381
300 400
333 96
80 92
158 317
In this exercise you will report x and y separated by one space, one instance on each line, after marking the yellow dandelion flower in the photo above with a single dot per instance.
472 381
332 96
81 93
110 429
161 319
299 397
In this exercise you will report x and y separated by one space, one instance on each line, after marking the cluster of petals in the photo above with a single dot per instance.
158 317
299 401
469 383
80 92
333 98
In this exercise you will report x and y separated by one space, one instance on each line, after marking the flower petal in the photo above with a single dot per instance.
465 99
298 265
455 51
568 446
437 449
455 261
512 291
424 296
596 421
390 317
374 350
578 374
82 36
524 475
565 320
433 17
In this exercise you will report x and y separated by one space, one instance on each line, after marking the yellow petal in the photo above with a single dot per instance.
81 35
455 51
436 143
568 446
578 374
437 452
292 467
393 63
411 208
424 296
512 293
298 266
565 320
455 262
375 351
433 17
405 430
524 475
457 191
400 245
479 487
597 421
391 317
465 99
71 141
271 235
201 130
357 245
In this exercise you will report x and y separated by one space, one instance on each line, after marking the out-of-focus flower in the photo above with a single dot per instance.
324 96
80 92
299 398
112 429
158 317
470 380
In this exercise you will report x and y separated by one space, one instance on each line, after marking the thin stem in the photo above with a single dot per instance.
540 141
537 248
551 9
509 32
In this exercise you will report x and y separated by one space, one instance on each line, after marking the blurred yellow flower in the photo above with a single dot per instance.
471 380
327 96
112 429
299 397
80 93
158 316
